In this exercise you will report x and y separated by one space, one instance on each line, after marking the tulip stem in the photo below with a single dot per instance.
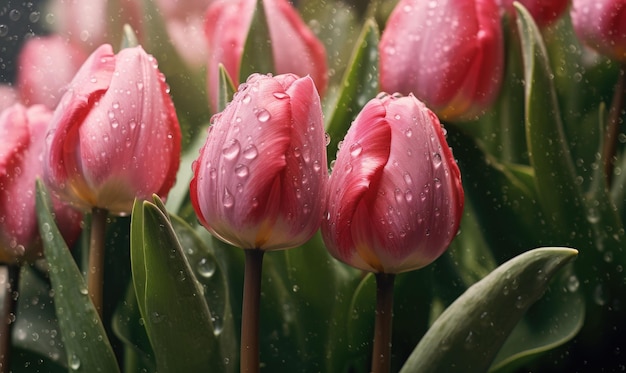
249 356
613 127
9 277
96 256
381 353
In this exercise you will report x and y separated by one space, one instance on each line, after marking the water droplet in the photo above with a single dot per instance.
241 170
156 317
573 283
317 166
397 117
437 159
206 267
326 139
250 152
246 99
295 288
408 132
280 95
407 178
355 149
231 150
399 195
83 291
74 362
228 200
263 115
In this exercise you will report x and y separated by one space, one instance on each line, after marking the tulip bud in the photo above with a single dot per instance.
260 180
295 49
601 24
395 197
95 22
184 21
449 54
544 12
22 134
46 66
115 135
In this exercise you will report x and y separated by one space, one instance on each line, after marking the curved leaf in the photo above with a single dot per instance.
87 346
175 314
468 335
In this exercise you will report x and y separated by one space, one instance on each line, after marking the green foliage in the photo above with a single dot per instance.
467 336
86 344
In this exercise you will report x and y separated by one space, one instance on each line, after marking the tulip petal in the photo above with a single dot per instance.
356 171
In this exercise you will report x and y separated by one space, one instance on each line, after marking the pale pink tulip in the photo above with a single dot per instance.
448 53
47 64
115 135
295 49
395 197
22 134
260 180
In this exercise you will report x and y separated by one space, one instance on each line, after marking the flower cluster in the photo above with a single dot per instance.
214 115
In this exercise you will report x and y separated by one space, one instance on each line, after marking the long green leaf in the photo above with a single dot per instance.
559 192
359 84
87 346
175 314
468 335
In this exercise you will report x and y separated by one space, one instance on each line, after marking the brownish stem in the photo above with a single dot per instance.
249 357
381 353
95 271
8 291
612 126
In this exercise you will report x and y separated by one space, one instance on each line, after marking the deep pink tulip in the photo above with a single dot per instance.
448 53
601 24
544 12
46 66
261 176
294 46
22 134
115 135
395 197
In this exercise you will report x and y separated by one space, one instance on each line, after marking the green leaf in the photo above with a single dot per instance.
257 53
87 346
129 38
36 329
468 335
555 319
557 183
359 85
176 316
226 89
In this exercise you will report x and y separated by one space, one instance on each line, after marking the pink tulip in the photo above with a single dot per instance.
395 195
295 48
184 21
8 96
115 135
95 22
261 176
22 134
46 66
601 24
544 12
448 53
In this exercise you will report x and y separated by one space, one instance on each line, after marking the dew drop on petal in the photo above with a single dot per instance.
263 115
250 152
228 200
356 149
241 170
231 150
